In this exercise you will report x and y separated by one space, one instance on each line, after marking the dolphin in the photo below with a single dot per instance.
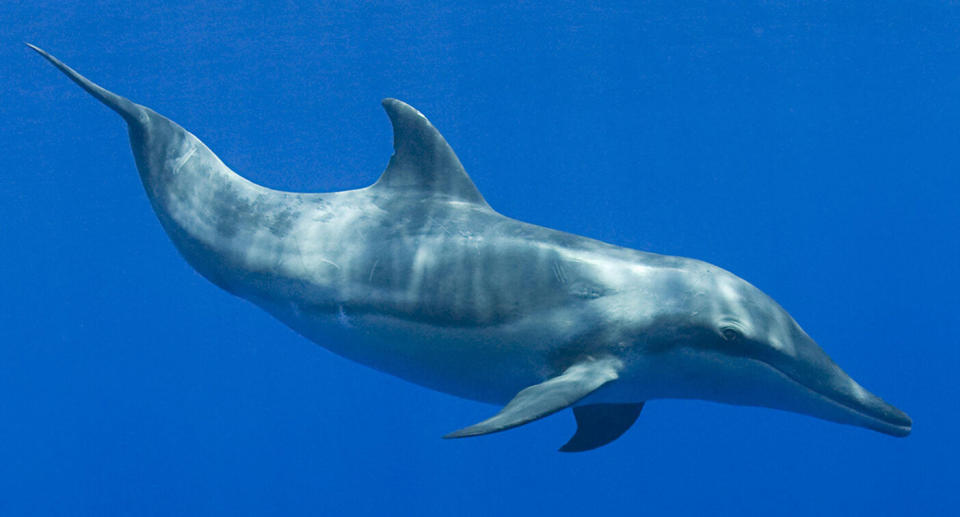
417 276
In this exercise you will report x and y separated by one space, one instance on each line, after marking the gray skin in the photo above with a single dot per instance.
418 277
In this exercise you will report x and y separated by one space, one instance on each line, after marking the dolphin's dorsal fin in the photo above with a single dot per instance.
422 160
548 397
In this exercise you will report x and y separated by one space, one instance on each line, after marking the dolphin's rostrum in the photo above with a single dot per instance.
418 277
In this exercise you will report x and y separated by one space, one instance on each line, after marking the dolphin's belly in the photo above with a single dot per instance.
486 364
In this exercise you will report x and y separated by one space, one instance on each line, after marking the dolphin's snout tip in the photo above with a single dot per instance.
888 419
902 432
898 431
864 409
900 423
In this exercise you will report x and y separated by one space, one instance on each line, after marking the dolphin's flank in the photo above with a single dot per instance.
418 277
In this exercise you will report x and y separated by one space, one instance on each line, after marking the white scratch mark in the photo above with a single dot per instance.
183 159
332 263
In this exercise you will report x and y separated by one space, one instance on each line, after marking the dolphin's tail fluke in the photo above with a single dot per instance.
131 112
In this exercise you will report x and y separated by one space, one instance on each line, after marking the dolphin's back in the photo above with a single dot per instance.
454 266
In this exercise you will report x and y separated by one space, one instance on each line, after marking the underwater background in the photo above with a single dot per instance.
812 148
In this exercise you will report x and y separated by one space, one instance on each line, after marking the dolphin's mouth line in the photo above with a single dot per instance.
904 429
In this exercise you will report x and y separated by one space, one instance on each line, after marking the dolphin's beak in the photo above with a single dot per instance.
834 395
855 405
882 416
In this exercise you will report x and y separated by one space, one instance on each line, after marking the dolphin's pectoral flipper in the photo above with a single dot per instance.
548 397
600 424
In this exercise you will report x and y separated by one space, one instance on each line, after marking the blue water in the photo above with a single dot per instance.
811 149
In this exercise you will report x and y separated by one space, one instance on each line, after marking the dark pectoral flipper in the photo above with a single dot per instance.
548 397
600 424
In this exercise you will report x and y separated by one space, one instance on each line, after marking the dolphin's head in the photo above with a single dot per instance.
725 340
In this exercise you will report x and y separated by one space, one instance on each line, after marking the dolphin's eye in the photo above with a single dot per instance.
730 334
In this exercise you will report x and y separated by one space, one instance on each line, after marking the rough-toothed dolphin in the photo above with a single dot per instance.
418 277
